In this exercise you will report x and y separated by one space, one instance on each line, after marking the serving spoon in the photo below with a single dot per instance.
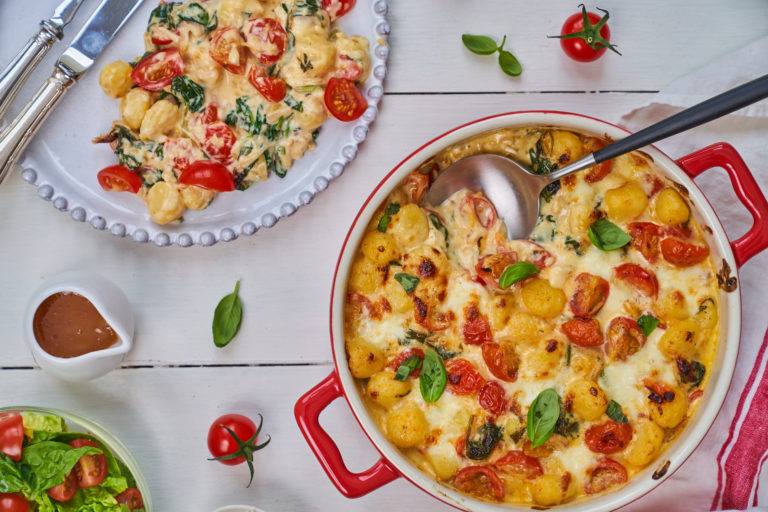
515 191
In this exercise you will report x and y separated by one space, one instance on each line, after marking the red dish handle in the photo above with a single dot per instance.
746 188
307 411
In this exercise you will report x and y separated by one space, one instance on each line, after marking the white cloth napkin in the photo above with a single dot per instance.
726 470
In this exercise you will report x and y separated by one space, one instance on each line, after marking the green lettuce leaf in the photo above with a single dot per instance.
42 427
92 499
49 462
10 476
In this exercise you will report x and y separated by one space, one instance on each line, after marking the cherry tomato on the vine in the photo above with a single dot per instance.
232 440
585 36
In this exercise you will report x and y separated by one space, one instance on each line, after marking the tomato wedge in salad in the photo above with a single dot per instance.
66 490
208 174
90 470
13 503
156 71
343 100
119 178
11 434
131 497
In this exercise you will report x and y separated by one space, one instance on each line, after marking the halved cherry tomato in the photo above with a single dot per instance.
271 87
66 490
337 8
405 354
208 174
11 434
228 49
13 503
590 296
624 338
608 437
347 68
502 360
585 43
489 268
266 38
343 100
415 186
476 330
607 474
219 139
601 170
482 208
131 497
638 277
584 332
162 36
156 71
518 464
90 470
210 114
463 377
182 152
481 481
682 254
645 239
119 178
493 399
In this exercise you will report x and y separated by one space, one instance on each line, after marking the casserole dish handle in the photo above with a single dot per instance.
746 188
307 411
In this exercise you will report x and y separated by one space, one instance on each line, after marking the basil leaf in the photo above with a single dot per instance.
647 324
509 63
481 45
692 372
439 226
161 13
443 352
407 367
489 436
607 236
407 281
191 92
391 209
433 377
227 318
410 334
615 413
542 417
517 272
195 13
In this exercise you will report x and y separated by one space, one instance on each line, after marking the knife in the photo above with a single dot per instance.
27 60
98 31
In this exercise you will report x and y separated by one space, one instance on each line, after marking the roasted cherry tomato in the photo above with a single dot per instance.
343 100
182 152
482 209
338 8
518 464
623 338
66 490
162 36
599 171
232 440
266 38
682 254
271 87
489 268
590 295
645 239
638 277
607 474
156 71
219 139
131 497
90 470
415 186
463 377
493 399
119 178
405 354
208 174
13 503
11 434
228 49
210 114
481 481
608 437
584 332
476 330
502 360
585 36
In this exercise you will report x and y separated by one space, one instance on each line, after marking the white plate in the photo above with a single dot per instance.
62 162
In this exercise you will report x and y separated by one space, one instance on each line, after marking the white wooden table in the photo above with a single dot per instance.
175 382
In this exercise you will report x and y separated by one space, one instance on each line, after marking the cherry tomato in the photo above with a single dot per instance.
347 68
266 38
219 139
405 354
208 174
607 474
585 36
638 277
590 295
608 437
156 71
90 470
13 503
11 434
481 481
682 254
210 114
119 178
660 391
343 100
162 36
463 377
182 152
601 170
482 209
489 268
535 253
493 399
584 332
271 87
131 497
518 464
415 186
66 490
232 440
624 338
645 239
502 360
476 330
337 8
228 49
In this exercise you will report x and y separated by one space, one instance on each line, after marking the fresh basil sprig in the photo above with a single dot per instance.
615 413
607 236
481 446
227 318
407 367
484 45
647 324
389 211
407 281
542 417
517 272
190 91
433 376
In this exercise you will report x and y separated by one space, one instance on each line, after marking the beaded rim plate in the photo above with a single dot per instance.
62 162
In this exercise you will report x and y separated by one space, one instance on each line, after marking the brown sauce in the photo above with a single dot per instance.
67 325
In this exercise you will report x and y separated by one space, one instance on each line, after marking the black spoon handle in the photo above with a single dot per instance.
704 112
